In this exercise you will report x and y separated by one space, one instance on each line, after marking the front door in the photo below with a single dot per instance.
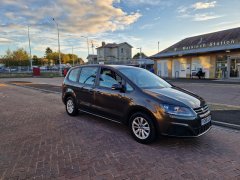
176 69
162 68
234 68
109 103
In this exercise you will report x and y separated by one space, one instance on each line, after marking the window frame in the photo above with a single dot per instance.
96 79
111 69
78 74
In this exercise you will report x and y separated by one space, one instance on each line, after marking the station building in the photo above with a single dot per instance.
217 53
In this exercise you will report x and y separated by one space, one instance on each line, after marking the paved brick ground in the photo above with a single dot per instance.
39 141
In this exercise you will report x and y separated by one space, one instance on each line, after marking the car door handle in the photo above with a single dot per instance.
98 92
90 91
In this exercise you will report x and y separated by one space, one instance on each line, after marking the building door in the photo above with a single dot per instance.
234 68
176 69
183 70
162 68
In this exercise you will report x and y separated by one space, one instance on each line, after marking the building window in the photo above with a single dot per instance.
121 50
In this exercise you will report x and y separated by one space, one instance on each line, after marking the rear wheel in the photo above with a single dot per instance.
71 106
142 128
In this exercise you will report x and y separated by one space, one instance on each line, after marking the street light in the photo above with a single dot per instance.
140 50
87 43
140 56
30 49
59 53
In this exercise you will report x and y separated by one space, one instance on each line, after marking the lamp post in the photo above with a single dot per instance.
30 49
140 55
59 53
140 51
87 43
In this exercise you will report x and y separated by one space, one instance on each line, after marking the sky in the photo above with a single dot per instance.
141 23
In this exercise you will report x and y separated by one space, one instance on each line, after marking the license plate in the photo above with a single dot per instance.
205 120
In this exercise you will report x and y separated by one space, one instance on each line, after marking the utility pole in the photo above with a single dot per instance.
92 48
87 43
158 46
59 52
30 49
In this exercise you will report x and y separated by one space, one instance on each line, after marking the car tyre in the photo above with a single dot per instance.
71 106
142 128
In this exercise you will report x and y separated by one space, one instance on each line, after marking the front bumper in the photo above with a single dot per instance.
184 128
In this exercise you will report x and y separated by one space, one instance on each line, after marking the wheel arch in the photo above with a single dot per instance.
69 93
141 109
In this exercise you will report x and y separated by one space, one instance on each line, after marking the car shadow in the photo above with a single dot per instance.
122 131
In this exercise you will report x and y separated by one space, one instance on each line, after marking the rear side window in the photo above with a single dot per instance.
73 75
88 75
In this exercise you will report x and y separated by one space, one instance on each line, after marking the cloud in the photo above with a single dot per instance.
195 13
204 5
205 17
162 3
5 40
73 16
157 18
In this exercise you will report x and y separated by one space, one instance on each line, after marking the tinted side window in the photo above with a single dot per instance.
108 78
88 75
73 75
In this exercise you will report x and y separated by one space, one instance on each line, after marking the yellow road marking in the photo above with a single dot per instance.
21 83
2 85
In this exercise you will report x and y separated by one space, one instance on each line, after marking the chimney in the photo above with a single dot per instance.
103 43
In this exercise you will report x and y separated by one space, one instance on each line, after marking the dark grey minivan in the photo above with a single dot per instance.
147 104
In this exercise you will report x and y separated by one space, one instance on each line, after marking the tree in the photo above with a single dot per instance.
21 56
137 56
36 61
48 51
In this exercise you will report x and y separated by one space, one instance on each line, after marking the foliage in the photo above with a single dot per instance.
18 57
48 51
137 56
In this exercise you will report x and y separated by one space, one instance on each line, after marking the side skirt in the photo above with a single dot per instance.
100 116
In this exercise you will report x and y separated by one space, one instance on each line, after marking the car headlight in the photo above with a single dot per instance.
178 110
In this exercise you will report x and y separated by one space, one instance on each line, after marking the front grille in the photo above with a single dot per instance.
202 111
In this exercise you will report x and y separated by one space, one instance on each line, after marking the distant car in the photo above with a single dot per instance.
43 68
147 104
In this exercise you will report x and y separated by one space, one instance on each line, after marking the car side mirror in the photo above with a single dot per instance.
117 87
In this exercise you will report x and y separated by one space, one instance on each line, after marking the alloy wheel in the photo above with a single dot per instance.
70 106
141 128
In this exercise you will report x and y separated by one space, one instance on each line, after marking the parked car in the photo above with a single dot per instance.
144 102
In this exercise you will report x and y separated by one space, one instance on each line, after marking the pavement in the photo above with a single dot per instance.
38 140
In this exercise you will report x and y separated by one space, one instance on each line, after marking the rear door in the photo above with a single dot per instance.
86 86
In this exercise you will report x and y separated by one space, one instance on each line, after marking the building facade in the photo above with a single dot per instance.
114 52
92 59
217 54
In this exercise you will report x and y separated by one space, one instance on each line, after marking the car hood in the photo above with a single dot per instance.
173 94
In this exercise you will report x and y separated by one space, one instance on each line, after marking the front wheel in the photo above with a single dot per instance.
71 107
142 128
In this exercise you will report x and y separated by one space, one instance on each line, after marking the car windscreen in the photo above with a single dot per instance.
144 78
